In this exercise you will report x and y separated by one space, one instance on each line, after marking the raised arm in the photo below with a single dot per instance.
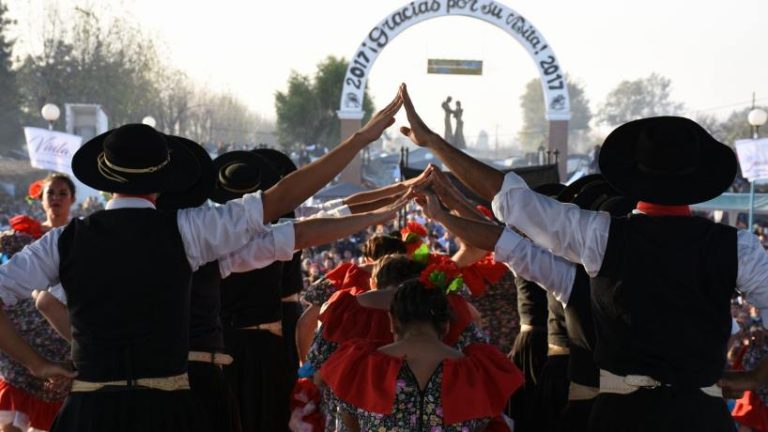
481 178
523 257
296 187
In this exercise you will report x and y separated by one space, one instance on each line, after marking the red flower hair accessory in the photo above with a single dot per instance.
34 190
413 232
27 225
442 273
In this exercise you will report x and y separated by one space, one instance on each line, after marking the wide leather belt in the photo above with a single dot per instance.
275 328
556 350
172 383
216 358
578 392
612 383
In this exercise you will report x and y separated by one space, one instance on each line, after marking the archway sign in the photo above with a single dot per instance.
551 74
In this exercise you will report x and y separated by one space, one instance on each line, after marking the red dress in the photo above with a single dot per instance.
343 276
383 394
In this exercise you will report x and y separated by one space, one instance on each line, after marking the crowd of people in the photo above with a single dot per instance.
603 305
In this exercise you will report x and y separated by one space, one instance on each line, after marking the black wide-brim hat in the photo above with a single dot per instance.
281 161
240 172
549 189
667 160
593 194
135 159
197 194
572 190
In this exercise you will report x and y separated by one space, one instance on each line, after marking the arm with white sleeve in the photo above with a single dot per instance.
523 257
566 230
752 275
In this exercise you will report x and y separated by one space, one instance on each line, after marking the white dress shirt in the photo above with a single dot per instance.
581 236
207 233
535 264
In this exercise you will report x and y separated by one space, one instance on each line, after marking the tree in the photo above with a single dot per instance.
10 131
631 100
306 112
535 131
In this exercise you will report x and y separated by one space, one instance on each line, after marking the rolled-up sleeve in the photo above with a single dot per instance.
752 275
212 232
535 264
276 244
578 235
35 267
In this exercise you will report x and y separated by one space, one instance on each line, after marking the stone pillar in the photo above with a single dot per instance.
350 122
558 140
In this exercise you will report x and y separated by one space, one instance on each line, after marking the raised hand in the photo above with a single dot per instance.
421 178
385 214
431 204
418 133
381 120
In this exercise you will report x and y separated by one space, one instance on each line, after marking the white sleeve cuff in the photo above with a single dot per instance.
330 205
285 241
511 181
254 211
507 241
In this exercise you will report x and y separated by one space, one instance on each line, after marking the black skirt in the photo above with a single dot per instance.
212 394
260 378
136 410
291 313
529 353
660 410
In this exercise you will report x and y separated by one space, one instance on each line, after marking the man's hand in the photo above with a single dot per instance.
381 120
431 205
418 133
58 376
421 178
386 214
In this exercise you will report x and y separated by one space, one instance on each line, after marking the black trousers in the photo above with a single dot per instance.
134 410
660 410
529 353
260 378
214 397
576 416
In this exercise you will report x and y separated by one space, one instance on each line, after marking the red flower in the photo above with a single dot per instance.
35 189
441 273
413 232
26 225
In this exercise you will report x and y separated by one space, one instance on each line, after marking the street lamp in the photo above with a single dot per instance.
50 113
149 121
756 118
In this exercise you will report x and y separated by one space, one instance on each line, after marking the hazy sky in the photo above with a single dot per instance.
713 51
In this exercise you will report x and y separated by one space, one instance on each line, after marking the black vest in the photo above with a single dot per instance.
581 333
557 333
531 303
293 280
206 333
253 297
661 299
127 281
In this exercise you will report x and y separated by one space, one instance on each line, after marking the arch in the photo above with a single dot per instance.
516 25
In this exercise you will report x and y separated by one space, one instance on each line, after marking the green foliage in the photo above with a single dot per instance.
116 65
306 112
535 131
631 100
10 132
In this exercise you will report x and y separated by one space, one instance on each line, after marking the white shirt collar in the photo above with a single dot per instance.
128 202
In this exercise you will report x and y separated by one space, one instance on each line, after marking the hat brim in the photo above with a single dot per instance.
593 194
549 189
572 190
712 175
268 175
179 174
281 161
198 193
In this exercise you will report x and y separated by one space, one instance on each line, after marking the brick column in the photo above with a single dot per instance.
350 122
558 140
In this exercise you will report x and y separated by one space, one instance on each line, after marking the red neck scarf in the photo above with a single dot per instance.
662 210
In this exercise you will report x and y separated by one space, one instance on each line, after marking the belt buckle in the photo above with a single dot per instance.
641 381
